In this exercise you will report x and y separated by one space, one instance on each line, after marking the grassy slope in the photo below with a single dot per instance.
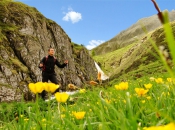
142 61
131 34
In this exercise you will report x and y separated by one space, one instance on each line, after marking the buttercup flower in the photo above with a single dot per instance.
61 97
26 119
143 101
82 90
79 115
43 120
50 87
107 101
159 80
170 126
169 80
141 91
168 94
63 115
148 86
124 101
148 97
117 87
36 88
122 86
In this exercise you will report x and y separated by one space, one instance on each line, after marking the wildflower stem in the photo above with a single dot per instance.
49 108
132 121
169 36
37 108
129 104
59 109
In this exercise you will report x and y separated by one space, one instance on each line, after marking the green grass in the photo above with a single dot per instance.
114 109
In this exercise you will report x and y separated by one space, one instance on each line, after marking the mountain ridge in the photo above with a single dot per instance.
131 34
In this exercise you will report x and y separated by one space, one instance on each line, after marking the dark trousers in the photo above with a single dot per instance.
45 78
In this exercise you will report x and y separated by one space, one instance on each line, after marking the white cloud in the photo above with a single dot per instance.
72 16
94 43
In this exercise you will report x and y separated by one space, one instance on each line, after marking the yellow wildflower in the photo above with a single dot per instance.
79 115
43 120
62 115
26 119
124 101
117 87
51 87
143 101
169 80
168 94
36 88
122 86
107 101
61 97
140 91
148 97
159 80
170 126
148 86
33 128
82 91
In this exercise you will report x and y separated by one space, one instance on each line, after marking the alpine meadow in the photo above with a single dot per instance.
138 95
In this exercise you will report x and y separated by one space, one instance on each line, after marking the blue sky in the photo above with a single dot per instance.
92 22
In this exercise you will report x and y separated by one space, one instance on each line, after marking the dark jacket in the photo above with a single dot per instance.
49 64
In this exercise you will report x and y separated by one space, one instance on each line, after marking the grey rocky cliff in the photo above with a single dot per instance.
25 36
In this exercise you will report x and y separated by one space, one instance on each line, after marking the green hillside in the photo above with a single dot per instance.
137 59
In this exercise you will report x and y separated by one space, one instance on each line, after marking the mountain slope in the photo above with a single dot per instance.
136 57
132 34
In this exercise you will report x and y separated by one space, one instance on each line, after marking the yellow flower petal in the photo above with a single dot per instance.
39 87
159 80
51 87
82 90
140 91
148 86
32 88
61 97
79 115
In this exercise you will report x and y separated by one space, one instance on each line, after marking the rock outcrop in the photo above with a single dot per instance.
25 36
